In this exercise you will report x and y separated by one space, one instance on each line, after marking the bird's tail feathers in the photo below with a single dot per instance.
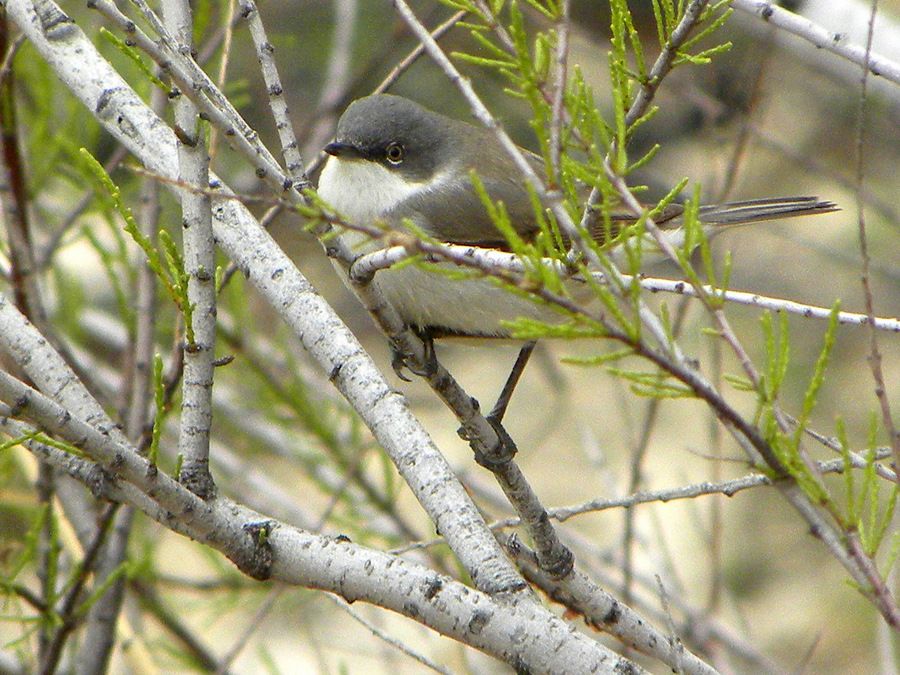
755 210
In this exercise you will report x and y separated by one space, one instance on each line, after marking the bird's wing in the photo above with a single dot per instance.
453 212
457 216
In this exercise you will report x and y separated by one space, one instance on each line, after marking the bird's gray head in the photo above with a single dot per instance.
395 132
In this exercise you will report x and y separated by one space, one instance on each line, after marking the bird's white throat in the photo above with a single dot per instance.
363 191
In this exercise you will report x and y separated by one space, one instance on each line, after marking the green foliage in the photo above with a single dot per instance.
818 377
599 359
68 448
28 552
777 349
19 440
588 142
500 217
168 267
788 447
867 513
134 56
41 544
177 279
652 384
532 329
159 398
41 438
53 122
714 21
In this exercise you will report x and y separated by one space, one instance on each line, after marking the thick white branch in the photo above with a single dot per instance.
386 412
199 263
511 627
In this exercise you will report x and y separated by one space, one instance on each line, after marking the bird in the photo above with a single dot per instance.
393 159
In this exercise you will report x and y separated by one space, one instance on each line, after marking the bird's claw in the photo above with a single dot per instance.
400 360
496 458
398 363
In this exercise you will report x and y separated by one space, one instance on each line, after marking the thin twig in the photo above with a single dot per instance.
874 352
487 259
336 80
11 51
49 249
645 95
277 104
727 488
716 508
741 145
141 361
810 162
559 92
196 85
67 609
14 195
381 635
227 35
171 621
636 468
252 626
23 278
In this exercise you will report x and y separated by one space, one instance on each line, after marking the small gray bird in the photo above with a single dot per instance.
393 159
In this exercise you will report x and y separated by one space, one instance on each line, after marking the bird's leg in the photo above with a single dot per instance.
399 359
500 457
495 417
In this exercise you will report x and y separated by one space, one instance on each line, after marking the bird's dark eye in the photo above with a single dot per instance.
394 153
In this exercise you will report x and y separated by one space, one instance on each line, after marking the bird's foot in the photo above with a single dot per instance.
400 359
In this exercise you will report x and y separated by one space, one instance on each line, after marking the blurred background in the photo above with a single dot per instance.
773 116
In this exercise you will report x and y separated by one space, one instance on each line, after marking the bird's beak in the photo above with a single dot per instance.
346 150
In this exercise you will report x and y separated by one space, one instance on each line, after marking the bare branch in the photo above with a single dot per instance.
265 52
200 265
486 259
321 562
821 38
